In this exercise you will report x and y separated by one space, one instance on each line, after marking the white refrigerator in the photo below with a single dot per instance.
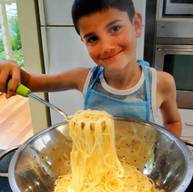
63 49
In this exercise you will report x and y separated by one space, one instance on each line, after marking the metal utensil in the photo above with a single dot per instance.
26 92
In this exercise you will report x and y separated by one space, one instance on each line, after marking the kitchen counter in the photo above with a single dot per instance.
15 128
15 121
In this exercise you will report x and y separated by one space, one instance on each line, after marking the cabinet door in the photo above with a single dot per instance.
57 12
63 51
187 123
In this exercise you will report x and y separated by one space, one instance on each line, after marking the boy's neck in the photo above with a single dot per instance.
124 79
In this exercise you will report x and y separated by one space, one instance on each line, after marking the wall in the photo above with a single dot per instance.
140 6
32 56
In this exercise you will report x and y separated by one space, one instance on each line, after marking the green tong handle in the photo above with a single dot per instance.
21 89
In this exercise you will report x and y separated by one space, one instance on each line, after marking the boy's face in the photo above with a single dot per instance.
110 37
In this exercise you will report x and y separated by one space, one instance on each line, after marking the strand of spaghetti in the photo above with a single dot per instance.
94 162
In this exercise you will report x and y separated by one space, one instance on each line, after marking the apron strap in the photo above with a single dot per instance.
145 66
97 71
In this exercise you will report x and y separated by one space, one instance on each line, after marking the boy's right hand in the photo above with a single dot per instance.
9 69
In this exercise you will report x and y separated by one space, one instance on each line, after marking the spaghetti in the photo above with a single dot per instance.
94 162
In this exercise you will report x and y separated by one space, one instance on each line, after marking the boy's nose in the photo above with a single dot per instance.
107 46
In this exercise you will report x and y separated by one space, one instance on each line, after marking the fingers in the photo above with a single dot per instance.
4 75
15 76
9 69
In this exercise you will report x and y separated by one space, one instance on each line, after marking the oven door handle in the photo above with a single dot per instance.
175 50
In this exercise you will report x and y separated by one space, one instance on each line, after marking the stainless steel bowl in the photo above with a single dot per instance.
156 152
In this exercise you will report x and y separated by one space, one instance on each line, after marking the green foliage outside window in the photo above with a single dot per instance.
15 41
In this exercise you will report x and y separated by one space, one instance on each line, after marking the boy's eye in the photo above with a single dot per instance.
92 39
115 28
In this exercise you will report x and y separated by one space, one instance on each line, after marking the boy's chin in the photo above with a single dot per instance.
114 67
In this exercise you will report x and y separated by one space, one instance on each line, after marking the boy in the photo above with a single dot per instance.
119 84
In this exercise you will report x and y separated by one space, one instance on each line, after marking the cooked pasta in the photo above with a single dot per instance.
94 162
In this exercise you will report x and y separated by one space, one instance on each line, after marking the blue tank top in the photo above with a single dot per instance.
134 106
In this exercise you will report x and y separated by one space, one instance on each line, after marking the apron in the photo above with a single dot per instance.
96 100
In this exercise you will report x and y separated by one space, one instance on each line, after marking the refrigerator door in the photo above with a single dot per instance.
63 51
57 12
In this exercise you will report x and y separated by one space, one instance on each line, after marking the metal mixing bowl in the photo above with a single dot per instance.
156 152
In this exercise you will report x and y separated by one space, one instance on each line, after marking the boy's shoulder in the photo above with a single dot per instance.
166 88
165 82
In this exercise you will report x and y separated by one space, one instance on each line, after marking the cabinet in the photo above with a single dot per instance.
187 122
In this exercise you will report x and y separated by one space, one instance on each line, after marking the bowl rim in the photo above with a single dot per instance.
185 150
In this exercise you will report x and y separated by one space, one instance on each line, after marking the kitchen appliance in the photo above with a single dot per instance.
38 162
178 61
174 46
174 18
176 8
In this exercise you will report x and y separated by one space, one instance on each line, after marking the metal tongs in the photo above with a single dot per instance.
26 92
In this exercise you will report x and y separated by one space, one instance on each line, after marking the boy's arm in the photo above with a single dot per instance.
167 103
73 79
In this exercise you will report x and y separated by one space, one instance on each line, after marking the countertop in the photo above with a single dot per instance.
15 121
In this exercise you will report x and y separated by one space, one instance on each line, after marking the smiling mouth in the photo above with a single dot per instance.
111 56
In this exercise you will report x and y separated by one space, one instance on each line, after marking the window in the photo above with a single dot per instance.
10 41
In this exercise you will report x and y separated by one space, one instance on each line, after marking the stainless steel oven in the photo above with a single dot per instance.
175 8
178 61
179 8
174 18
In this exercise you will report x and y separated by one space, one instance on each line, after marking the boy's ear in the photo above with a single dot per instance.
137 21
